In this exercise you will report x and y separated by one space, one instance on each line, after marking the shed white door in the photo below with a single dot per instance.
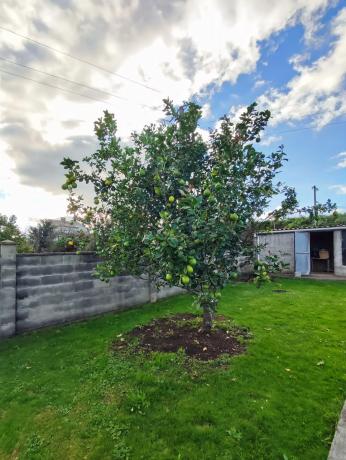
302 252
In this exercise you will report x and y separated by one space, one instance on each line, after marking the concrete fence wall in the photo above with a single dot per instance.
38 290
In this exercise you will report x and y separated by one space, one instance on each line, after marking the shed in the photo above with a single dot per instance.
307 250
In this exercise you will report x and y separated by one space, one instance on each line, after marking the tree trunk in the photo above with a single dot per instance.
207 318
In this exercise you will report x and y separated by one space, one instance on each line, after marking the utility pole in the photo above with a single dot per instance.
315 189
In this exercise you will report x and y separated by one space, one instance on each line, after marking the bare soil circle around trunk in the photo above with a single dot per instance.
184 332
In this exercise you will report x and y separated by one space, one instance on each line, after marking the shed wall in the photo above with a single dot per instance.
280 244
339 268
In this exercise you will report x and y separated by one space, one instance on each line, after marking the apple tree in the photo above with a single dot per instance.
173 205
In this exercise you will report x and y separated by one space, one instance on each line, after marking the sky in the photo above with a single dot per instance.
63 62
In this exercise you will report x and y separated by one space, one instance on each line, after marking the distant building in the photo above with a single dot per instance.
65 226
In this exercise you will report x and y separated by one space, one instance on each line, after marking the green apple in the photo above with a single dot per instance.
108 181
189 269
192 261
164 214
185 279
168 277
233 217
171 199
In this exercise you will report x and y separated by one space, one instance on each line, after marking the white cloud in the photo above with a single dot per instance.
28 203
339 189
204 133
342 160
181 48
206 110
259 84
270 140
318 90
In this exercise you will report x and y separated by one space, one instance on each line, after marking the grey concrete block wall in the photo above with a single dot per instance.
56 288
38 290
7 288
280 244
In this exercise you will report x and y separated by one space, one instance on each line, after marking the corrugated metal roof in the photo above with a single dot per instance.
308 228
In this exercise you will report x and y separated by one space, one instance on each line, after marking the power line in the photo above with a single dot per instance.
93 88
309 127
53 86
80 60
114 95
63 78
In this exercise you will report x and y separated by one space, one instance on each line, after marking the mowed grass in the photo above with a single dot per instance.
64 395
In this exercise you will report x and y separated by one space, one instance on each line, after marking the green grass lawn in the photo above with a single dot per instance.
63 395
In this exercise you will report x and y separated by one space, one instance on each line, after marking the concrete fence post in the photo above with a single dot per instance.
7 288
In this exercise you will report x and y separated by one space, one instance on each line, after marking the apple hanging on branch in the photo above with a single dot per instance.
173 205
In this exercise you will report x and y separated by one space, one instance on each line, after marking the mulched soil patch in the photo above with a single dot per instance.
184 331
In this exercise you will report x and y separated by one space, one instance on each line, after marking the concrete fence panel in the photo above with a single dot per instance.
38 290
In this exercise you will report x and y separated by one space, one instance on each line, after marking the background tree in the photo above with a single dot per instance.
313 216
288 206
42 236
173 205
315 212
9 230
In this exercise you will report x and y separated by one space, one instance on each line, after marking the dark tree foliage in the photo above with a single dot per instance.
42 236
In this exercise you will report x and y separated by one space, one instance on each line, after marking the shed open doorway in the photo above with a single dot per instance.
322 252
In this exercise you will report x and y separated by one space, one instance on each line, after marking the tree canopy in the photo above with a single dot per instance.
41 237
9 230
173 205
